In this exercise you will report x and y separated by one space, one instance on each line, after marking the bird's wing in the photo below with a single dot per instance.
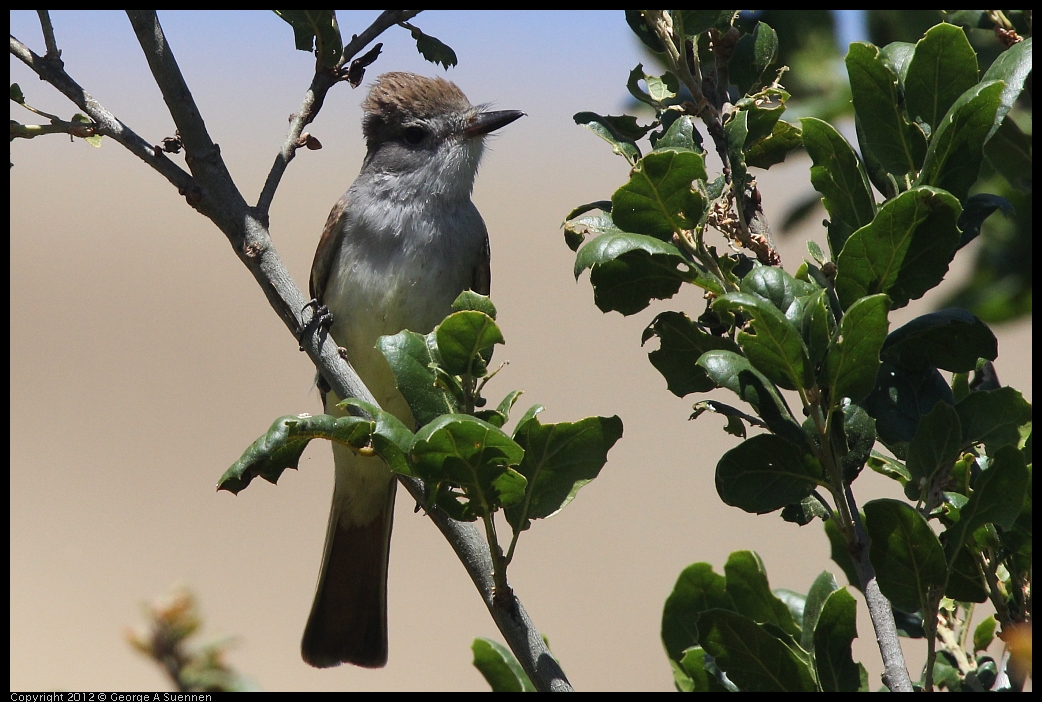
325 254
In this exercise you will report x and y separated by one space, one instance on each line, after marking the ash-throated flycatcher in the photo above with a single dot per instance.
397 249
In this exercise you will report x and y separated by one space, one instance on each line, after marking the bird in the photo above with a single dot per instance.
397 249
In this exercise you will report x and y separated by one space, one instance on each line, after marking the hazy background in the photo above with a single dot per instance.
144 359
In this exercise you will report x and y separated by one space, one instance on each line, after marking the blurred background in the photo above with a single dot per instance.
144 359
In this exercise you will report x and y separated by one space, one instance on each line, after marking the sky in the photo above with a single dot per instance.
144 359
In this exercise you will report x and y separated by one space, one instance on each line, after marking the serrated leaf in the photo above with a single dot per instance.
434 50
602 127
784 138
852 361
680 136
752 55
775 347
952 339
681 343
316 30
993 417
905 553
943 68
281 446
498 666
834 633
390 438
559 459
904 251
765 473
659 199
754 660
775 285
410 359
957 147
838 175
896 143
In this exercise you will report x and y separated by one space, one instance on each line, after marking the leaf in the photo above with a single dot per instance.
838 175
465 342
957 147
1009 152
680 136
697 589
840 554
752 55
805 511
498 666
318 30
978 208
952 339
899 145
859 431
765 473
823 586
783 139
748 587
95 140
993 417
965 580
635 19
692 674
936 444
775 285
576 230
433 49
681 342
16 94
630 270
834 633
1012 67
984 634
852 360
660 89
998 495
900 399
390 438
461 450
905 250
905 553
470 300
609 131
281 446
754 660
943 68
734 372
884 465
410 359
559 459
658 200
775 347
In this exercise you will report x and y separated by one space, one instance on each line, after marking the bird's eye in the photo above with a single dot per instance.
414 135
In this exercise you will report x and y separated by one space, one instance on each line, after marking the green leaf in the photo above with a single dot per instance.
658 200
470 300
998 496
465 342
905 553
859 433
697 589
775 347
576 230
824 585
498 666
838 175
852 361
281 446
775 285
805 511
957 147
390 438
905 250
660 89
943 68
840 554
834 633
16 94
611 130
95 140
819 325
410 358
680 136
461 450
965 580
984 634
734 372
900 399
1009 152
936 444
635 19
692 674
318 30
559 459
433 50
993 417
748 587
978 208
630 270
766 473
952 339
698 21
681 342
752 55
754 659
884 465
1012 67
896 143
783 139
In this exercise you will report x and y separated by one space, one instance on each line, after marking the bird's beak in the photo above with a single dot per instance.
484 122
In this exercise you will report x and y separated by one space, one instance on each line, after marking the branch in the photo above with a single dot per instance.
211 191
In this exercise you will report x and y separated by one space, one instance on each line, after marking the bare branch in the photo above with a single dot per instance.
53 54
